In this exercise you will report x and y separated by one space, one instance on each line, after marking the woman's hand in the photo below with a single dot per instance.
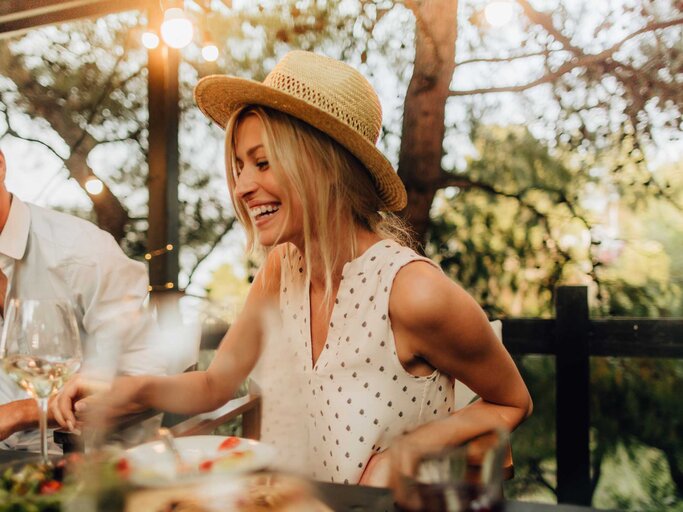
63 405
387 468
378 470
83 398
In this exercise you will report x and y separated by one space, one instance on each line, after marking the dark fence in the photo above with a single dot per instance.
572 337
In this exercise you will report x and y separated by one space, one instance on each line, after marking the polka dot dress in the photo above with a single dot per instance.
327 420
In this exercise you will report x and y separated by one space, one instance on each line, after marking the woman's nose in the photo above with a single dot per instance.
245 184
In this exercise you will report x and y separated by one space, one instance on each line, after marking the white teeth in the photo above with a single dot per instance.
263 209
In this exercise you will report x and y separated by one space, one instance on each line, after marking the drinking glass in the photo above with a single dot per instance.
40 349
464 478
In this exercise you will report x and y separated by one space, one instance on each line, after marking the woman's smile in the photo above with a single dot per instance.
263 213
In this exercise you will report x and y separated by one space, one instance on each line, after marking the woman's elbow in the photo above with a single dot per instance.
526 407
529 407
522 407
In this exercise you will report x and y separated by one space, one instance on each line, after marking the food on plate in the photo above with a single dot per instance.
154 465
232 460
229 443
264 492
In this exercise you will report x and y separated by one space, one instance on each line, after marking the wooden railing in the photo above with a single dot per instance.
572 337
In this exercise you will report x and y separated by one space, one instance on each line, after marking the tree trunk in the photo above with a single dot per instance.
38 102
110 213
424 109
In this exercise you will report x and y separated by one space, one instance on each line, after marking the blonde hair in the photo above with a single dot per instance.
337 193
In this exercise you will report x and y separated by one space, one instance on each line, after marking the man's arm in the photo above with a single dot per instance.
17 416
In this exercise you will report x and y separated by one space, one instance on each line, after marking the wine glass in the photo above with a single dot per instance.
463 478
40 349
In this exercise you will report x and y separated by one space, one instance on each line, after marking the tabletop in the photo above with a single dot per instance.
357 498
351 498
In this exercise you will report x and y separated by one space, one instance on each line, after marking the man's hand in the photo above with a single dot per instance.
16 416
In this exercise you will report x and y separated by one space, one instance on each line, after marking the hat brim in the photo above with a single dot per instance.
219 96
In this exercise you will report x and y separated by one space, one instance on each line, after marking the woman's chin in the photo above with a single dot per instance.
267 239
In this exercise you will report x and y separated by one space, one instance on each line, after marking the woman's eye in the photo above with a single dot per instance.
262 165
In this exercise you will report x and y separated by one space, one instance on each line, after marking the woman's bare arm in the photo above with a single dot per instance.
191 392
437 321
434 320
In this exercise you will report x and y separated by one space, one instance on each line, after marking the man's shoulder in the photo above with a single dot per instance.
46 222
71 234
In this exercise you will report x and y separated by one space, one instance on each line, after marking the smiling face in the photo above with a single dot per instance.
274 209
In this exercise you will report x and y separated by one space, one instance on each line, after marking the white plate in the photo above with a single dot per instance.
153 465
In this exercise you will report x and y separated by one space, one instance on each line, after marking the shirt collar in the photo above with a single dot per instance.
14 236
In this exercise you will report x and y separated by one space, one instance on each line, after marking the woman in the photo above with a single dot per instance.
373 333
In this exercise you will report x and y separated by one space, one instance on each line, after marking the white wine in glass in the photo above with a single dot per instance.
40 349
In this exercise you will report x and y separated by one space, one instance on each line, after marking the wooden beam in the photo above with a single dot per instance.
637 337
609 337
162 159
529 335
17 16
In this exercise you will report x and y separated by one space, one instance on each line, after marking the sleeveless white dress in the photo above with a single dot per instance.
329 419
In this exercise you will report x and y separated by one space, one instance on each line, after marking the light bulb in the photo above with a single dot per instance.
150 40
498 13
94 186
210 52
176 30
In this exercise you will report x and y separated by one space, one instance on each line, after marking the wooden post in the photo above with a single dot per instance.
573 423
162 161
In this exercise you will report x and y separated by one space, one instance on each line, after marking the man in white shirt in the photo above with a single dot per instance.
48 254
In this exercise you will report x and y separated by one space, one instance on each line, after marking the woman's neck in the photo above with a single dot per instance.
364 240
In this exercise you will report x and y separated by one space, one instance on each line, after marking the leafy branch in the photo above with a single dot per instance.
582 60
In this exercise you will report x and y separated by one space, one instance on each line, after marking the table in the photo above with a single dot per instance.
12 456
351 498
356 498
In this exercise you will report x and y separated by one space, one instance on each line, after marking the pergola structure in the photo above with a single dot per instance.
17 16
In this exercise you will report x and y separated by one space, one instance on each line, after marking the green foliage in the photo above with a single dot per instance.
534 441
509 239
501 237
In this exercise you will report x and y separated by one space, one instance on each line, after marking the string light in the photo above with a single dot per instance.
158 252
150 40
176 29
94 186
162 287
210 52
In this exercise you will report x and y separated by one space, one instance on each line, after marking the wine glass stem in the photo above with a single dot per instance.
42 416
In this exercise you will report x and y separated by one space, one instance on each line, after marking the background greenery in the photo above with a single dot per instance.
551 163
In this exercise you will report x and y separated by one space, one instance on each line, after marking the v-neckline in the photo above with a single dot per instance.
308 323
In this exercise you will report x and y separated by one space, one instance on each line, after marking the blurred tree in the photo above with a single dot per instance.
610 74
510 243
517 208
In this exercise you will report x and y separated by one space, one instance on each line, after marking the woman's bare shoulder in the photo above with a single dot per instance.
420 294
432 309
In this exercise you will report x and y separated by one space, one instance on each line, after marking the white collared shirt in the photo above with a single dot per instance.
48 254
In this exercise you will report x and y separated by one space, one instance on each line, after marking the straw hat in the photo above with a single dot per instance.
325 93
